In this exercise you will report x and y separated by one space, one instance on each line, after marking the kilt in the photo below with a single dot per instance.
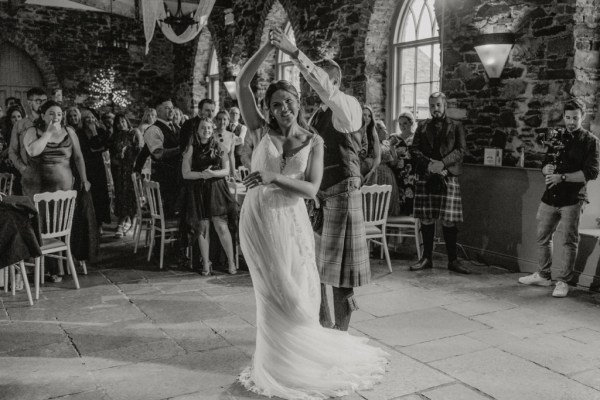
447 206
341 250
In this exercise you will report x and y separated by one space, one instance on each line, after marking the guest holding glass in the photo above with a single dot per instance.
404 168
205 166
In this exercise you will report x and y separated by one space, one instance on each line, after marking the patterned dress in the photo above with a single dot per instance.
124 148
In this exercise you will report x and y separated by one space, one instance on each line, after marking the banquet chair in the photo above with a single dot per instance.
234 190
13 284
376 203
167 229
405 226
56 211
142 220
6 182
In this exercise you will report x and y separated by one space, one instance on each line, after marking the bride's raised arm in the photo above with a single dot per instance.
248 107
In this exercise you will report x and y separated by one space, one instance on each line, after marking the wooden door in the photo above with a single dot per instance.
18 74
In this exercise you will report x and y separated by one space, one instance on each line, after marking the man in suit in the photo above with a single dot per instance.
438 148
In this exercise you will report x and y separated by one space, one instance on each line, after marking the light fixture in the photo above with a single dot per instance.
230 86
493 50
179 21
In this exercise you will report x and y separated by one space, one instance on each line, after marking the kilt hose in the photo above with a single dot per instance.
446 206
341 250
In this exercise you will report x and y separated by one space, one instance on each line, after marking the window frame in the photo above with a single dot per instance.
396 46
213 77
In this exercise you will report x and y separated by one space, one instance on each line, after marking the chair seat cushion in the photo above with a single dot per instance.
401 219
52 243
372 231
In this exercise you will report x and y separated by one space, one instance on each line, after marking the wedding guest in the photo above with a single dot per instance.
94 141
124 148
239 130
14 114
384 175
371 156
225 138
148 119
73 116
205 166
404 167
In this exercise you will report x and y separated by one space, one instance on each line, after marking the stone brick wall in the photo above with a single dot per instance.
538 78
64 45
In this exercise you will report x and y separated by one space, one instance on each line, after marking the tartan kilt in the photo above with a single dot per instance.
447 206
341 250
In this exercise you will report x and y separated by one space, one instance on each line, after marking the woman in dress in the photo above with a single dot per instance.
370 155
384 175
295 357
124 148
14 114
148 119
225 138
94 141
205 166
50 148
404 167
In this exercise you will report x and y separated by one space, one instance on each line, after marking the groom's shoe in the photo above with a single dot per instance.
423 263
456 266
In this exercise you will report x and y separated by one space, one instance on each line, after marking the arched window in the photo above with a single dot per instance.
285 67
213 77
415 59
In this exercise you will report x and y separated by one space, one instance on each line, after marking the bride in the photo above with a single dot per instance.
295 358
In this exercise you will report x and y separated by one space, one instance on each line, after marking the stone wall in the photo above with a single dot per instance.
539 76
65 46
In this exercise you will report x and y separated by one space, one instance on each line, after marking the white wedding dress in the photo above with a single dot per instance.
295 358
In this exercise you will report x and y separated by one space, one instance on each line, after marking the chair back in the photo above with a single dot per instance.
376 203
242 173
138 190
154 200
56 211
6 182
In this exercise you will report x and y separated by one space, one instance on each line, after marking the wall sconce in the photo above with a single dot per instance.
230 86
493 50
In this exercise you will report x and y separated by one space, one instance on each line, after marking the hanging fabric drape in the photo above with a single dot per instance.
153 11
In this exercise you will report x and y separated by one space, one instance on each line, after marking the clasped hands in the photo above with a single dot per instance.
258 178
278 39
437 167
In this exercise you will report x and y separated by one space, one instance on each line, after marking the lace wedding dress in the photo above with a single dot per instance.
295 358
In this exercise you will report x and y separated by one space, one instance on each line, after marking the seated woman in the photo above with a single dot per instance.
204 168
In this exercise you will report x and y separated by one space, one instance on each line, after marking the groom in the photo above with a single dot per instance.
341 249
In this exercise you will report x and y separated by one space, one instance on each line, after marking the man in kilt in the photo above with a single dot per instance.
438 148
341 248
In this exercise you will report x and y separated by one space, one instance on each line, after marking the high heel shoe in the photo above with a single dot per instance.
207 273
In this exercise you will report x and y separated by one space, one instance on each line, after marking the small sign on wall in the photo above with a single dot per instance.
492 156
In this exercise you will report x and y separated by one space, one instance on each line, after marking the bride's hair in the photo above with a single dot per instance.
288 87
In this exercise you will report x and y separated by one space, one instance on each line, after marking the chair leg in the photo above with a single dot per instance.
151 243
36 277
42 268
83 266
162 248
72 265
61 269
137 232
387 253
13 280
6 278
418 240
25 281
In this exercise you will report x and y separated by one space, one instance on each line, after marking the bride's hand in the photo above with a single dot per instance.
258 178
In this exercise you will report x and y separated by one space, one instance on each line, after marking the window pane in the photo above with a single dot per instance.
435 86
214 64
425 25
407 99
407 62
424 63
436 62
417 6
409 31
423 100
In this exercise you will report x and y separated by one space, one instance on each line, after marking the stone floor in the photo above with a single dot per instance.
134 332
